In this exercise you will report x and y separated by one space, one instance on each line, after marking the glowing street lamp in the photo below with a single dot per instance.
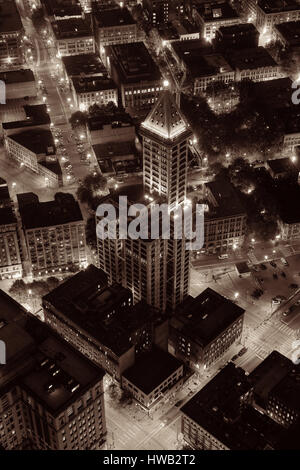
166 83
236 294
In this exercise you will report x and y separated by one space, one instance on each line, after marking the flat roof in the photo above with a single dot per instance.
217 409
10 19
17 76
52 166
61 8
75 375
253 58
62 210
35 115
273 93
269 373
114 17
113 150
276 6
290 31
115 120
206 316
71 28
151 369
133 62
226 202
89 84
84 64
280 165
217 11
38 141
238 28
10 309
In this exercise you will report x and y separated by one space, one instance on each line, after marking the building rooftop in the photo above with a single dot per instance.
290 31
276 6
90 84
282 165
273 94
151 369
242 28
269 374
63 8
113 150
253 58
39 141
114 17
52 166
34 352
103 312
71 28
217 409
206 316
36 115
217 11
133 63
84 64
62 210
222 200
115 120
10 20
166 119
73 375
17 76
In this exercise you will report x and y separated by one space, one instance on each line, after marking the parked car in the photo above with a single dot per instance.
263 266
272 263
283 274
284 261
275 276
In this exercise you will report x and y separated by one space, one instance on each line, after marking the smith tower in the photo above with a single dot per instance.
165 135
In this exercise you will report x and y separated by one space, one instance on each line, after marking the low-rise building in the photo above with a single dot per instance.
11 33
19 84
288 34
211 16
57 10
83 65
238 36
10 253
117 157
276 389
111 127
204 328
93 90
114 26
224 219
54 233
35 149
269 13
73 36
220 416
100 321
138 77
154 377
51 396
254 64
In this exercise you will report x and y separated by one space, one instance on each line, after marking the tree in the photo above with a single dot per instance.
18 289
78 119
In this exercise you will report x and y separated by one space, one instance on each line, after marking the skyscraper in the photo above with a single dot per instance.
157 269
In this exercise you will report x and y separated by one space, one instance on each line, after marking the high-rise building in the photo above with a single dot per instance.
156 269
10 258
51 397
54 233
165 135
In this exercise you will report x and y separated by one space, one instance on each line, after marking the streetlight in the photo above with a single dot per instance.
266 256
236 294
166 83
14 184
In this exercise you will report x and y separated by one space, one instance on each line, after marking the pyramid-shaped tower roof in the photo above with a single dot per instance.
165 119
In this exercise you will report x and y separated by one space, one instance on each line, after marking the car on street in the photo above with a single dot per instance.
284 261
242 351
283 274
272 263
263 266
